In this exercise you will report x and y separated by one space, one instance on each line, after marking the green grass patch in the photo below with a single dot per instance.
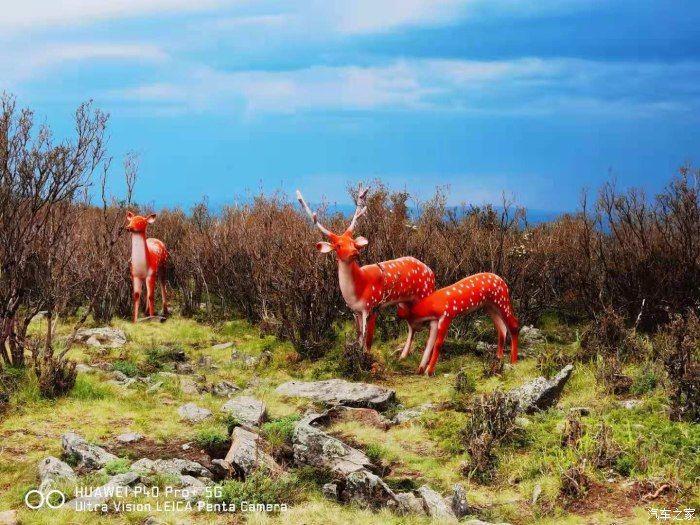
211 437
280 431
88 389
126 367
117 466
261 487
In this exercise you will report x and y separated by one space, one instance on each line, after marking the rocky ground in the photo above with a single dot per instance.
183 420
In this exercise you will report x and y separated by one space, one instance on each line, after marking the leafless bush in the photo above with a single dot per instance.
606 451
42 188
573 431
679 346
355 363
575 482
636 256
492 420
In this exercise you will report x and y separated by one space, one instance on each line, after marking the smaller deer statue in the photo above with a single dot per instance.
443 305
366 288
148 257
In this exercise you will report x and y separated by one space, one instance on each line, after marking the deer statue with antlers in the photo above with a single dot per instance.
148 257
486 290
366 288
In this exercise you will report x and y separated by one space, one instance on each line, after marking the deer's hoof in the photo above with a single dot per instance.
420 370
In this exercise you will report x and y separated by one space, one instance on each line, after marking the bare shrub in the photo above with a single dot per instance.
573 431
575 482
355 363
492 420
610 376
679 347
606 451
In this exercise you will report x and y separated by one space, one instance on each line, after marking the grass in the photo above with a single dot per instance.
279 432
211 437
427 450
117 466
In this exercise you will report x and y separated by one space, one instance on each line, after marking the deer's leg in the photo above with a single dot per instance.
443 327
137 284
500 328
369 336
409 342
150 291
428 346
164 295
514 332
358 321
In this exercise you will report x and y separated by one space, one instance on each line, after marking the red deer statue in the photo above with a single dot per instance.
366 288
440 307
148 258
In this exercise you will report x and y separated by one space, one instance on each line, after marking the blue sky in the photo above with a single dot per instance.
537 98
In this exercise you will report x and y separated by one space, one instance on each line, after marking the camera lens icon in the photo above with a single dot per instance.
35 499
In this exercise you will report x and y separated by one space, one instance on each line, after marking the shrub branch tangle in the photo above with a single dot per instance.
639 256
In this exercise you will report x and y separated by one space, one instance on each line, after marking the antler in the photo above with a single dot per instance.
360 208
312 214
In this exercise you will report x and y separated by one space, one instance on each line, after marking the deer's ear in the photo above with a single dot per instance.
324 247
361 242
129 215
151 218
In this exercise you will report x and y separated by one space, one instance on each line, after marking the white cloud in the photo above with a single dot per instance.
31 14
24 63
516 87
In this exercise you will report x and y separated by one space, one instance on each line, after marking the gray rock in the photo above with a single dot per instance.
154 387
411 413
314 447
101 494
248 453
540 393
247 360
222 346
529 336
9 517
188 386
129 437
224 389
120 377
195 488
367 489
246 409
52 469
193 413
483 347
409 504
184 368
90 457
480 522
85 369
105 337
173 466
458 501
435 506
340 392
536 493
631 404
330 490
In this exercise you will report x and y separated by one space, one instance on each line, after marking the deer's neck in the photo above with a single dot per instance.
351 283
139 255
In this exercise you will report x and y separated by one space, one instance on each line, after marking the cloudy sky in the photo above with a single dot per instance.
538 98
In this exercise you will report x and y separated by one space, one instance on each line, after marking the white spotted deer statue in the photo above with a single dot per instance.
366 288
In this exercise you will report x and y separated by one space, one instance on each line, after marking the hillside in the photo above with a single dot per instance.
640 452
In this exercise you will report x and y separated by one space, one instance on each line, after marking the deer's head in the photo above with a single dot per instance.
345 246
137 223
